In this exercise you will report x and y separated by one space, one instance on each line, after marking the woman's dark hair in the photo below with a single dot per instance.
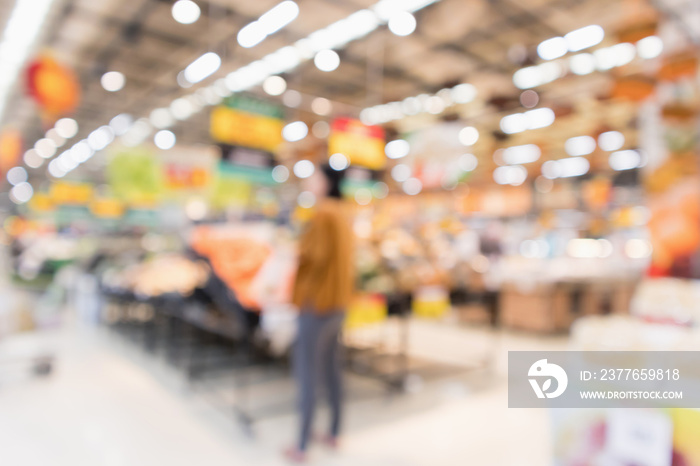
334 178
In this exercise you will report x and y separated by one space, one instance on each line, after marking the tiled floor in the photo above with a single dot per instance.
109 404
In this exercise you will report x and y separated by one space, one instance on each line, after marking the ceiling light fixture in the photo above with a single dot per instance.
269 23
552 48
66 128
32 159
611 141
113 81
336 35
402 24
202 67
16 175
527 153
625 160
327 60
21 193
580 145
468 136
650 47
397 149
55 137
164 139
565 168
584 38
424 103
582 64
532 119
45 147
295 131
304 168
321 106
514 175
338 162
185 11
275 85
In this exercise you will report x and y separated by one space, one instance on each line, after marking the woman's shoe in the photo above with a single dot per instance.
294 455
328 441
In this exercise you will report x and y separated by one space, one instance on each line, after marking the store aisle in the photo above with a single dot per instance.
107 404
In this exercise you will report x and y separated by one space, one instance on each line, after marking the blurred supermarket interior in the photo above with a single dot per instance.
520 175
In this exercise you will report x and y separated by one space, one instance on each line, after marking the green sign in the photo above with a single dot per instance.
250 104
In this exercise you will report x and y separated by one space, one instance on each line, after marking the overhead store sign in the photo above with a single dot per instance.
41 202
231 191
362 144
178 177
187 169
107 208
135 176
247 164
65 193
248 122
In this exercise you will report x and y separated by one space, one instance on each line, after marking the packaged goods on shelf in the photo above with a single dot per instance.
170 273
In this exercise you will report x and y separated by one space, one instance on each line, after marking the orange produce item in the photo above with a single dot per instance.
236 261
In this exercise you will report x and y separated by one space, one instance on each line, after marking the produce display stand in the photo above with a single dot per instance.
552 307
202 335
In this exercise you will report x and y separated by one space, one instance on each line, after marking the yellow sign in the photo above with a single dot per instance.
231 192
363 145
70 193
366 309
107 208
41 202
431 302
240 128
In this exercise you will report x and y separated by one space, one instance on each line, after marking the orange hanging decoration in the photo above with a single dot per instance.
10 149
54 87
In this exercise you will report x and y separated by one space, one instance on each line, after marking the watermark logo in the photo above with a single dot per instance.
542 369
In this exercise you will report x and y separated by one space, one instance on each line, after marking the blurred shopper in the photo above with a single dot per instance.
322 291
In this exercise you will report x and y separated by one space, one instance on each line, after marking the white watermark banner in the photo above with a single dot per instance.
603 379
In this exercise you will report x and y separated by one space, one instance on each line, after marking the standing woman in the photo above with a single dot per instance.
322 291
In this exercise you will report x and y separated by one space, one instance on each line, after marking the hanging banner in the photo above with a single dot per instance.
135 176
10 149
248 122
41 202
188 169
53 86
231 191
66 193
183 178
107 208
362 144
